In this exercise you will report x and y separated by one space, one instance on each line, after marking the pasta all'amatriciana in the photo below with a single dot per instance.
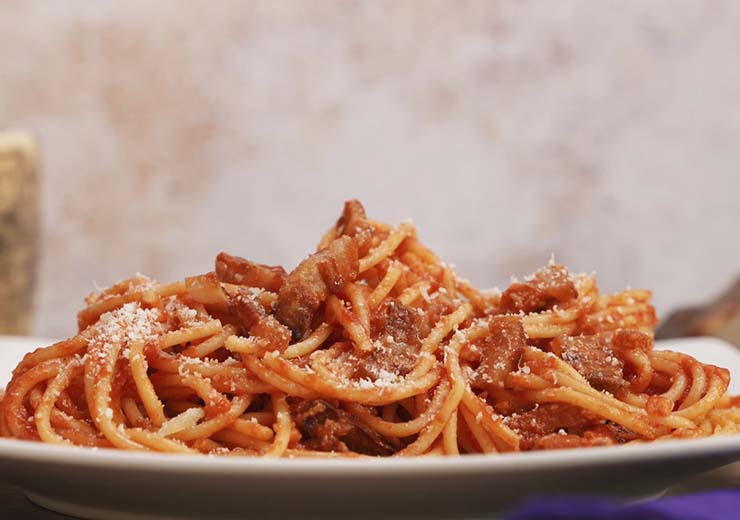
370 347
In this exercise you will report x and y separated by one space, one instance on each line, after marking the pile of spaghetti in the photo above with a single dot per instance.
371 346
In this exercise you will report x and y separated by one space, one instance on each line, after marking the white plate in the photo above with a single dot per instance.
113 484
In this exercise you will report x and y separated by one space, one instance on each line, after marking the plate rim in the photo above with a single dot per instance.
106 458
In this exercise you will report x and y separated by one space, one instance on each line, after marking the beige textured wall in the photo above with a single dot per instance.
606 132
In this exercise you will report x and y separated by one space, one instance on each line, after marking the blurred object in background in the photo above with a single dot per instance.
19 230
720 318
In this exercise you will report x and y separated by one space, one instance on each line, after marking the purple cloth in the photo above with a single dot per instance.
712 505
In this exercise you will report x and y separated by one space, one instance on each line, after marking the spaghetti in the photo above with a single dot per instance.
371 347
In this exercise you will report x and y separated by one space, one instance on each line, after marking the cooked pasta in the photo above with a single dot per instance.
370 347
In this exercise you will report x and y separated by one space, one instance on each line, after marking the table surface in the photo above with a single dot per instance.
13 504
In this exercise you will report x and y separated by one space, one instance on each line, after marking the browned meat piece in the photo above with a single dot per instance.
547 419
557 441
631 340
551 285
205 288
615 431
500 351
247 311
433 312
319 275
599 434
395 329
594 358
353 221
326 428
244 307
393 318
275 334
239 271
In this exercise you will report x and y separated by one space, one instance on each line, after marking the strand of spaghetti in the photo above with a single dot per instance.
265 418
66 404
632 421
74 430
677 388
643 370
59 419
481 435
441 329
675 391
427 255
214 401
449 436
42 415
483 301
352 325
252 428
157 442
410 294
92 312
231 436
276 380
99 369
311 343
629 297
716 390
182 421
265 298
211 344
188 335
147 394
60 349
419 267
465 437
434 428
386 248
171 289
377 225
331 387
228 374
241 345
552 323
435 450
539 330
238 381
384 288
448 281
207 428
283 426
226 377
358 300
568 377
698 386
132 412
209 446
404 429
16 413
493 425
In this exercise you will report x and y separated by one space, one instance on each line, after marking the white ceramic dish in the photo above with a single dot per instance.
112 484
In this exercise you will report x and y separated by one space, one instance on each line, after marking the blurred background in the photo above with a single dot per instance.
604 132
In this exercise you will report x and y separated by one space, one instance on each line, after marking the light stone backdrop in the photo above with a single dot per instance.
605 132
